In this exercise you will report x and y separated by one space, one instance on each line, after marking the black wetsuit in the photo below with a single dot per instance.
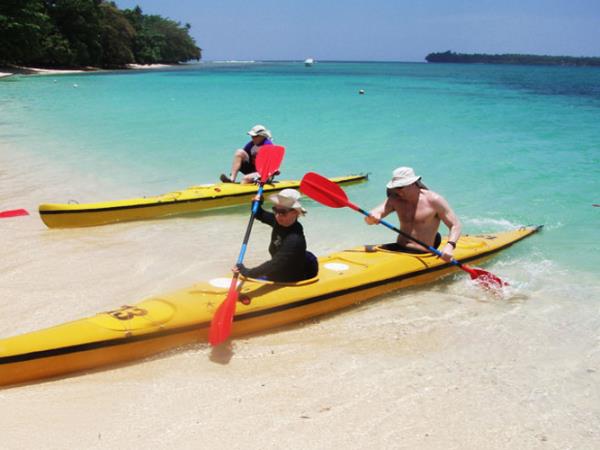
289 259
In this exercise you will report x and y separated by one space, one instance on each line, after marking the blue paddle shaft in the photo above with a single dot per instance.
255 204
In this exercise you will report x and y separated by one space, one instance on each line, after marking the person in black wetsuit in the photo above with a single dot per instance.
289 259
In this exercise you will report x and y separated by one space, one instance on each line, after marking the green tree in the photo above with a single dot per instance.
79 22
23 26
97 33
117 36
160 40
56 51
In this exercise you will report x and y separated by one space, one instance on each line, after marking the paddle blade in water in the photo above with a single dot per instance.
222 321
323 190
486 279
268 161
13 213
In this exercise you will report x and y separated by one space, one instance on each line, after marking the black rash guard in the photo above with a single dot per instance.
288 252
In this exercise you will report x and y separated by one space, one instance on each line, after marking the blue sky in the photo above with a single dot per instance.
382 30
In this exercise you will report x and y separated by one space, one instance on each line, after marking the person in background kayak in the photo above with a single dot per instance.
289 259
243 158
420 212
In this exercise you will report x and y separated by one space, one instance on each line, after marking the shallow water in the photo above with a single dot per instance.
441 366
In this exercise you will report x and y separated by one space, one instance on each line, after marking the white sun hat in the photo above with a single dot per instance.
402 177
288 198
260 130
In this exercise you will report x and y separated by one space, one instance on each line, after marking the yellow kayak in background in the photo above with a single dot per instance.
192 199
182 317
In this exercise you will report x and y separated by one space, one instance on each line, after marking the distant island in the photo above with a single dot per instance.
451 57
89 34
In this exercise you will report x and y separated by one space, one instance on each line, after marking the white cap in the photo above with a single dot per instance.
260 130
288 198
401 177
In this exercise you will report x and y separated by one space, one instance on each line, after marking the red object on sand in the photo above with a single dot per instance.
13 213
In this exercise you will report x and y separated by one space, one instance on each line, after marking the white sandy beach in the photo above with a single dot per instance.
440 367
40 71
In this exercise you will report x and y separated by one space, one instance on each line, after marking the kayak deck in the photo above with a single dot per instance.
183 317
190 200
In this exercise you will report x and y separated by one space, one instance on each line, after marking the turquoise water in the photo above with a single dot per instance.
445 365
506 145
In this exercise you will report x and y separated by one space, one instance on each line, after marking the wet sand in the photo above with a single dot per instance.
442 366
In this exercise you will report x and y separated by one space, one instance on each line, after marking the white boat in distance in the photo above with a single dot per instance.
309 62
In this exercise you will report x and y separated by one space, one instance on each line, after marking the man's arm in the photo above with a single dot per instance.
447 215
379 212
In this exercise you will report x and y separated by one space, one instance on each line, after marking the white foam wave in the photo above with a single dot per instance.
553 226
234 61
531 276
482 222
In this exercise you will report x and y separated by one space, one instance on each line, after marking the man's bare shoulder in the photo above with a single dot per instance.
431 195
434 199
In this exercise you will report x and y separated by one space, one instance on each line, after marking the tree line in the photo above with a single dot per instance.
451 57
96 33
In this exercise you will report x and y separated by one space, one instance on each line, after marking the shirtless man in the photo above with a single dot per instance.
420 212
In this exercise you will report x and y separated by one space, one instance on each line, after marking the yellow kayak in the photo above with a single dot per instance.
192 199
160 323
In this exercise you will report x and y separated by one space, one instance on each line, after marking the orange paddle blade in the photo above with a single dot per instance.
222 321
323 190
268 160
484 278
13 213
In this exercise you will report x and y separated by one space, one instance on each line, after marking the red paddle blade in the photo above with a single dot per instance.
14 213
486 279
268 160
222 321
323 190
